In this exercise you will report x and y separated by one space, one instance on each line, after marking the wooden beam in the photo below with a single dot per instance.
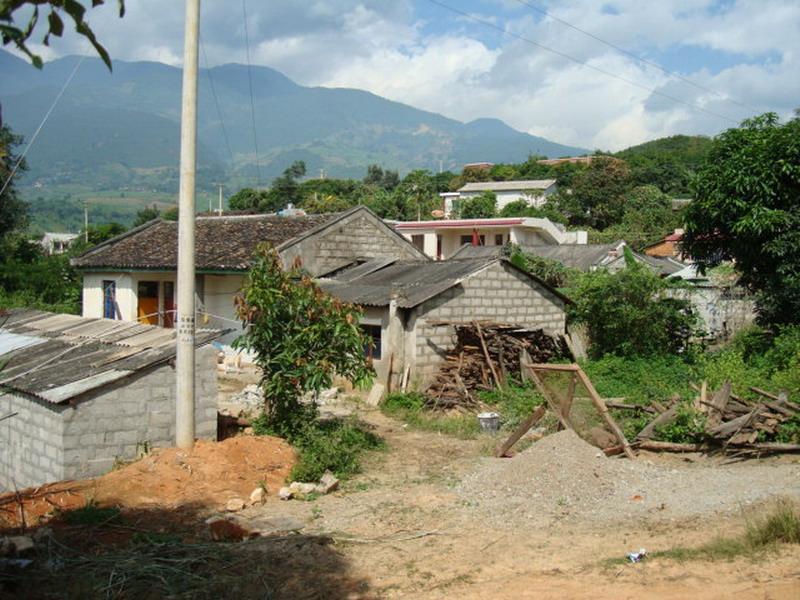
766 394
553 367
535 417
497 381
601 407
669 446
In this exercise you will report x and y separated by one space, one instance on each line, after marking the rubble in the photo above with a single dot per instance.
234 505
258 495
298 489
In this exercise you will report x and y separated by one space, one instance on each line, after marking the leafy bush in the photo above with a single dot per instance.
330 445
551 271
479 207
689 426
301 338
628 313
640 380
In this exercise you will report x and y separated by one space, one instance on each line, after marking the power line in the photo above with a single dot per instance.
39 128
581 62
252 101
636 56
216 101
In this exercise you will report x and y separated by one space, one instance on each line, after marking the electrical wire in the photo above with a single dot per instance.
636 56
252 101
216 101
581 62
39 128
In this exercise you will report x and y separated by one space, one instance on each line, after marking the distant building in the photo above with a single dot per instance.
57 243
585 160
669 246
441 239
532 191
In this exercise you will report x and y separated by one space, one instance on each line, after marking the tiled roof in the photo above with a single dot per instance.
57 357
507 186
223 243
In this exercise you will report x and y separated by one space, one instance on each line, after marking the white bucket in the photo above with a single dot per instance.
489 421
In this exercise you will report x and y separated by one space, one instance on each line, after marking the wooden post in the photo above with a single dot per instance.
601 407
520 431
486 355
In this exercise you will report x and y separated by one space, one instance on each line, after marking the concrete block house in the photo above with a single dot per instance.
406 301
132 277
77 394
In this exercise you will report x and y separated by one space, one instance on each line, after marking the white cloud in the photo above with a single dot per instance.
447 64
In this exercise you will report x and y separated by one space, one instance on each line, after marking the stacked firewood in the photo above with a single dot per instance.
732 424
484 356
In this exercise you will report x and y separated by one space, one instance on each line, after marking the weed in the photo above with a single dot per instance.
316 513
688 426
782 525
410 409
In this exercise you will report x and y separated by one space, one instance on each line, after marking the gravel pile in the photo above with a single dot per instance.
561 477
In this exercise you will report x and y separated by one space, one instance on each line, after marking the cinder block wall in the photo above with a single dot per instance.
360 235
499 293
30 442
48 442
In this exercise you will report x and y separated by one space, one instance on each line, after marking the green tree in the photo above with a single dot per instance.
13 211
73 9
418 192
520 208
246 199
598 192
148 213
479 207
648 217
301 337
377 176
747 209
630 312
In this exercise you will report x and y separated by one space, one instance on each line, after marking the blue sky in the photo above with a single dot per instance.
740 57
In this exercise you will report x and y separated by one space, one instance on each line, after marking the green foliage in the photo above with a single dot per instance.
333 445
410 408
629 313
598 194
31 279
397 402
73 9
746 210
689 426
301 337
13 211
479 207
648 216
640 380
92 514
148 213
386 179
552 272
781 526
520 208
515 403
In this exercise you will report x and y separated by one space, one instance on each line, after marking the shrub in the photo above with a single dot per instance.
689 426
628 313
640 380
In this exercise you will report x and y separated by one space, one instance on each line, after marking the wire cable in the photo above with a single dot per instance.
39 128
216 101
252 101
581 62
636 56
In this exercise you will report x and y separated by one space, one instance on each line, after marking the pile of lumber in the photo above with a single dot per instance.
485 356
733 424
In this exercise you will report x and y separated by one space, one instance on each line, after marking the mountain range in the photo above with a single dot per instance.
110 131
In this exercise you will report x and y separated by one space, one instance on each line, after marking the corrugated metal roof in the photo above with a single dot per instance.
507 186
58 357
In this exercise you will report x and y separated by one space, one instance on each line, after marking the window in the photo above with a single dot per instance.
498 239
109 299
419 242
467 239
374 333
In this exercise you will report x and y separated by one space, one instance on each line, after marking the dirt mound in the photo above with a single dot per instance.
204 478
563 477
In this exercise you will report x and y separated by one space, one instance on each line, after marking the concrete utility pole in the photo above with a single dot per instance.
184 360
86 221
220 199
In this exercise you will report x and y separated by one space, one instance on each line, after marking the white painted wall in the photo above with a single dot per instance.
217 308
93 294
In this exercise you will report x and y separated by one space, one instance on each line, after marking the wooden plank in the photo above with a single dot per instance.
764 393
665 417
668 446
535 417
601 407
486 355
553 367
718 404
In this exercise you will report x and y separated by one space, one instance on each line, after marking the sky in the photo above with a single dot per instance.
591 73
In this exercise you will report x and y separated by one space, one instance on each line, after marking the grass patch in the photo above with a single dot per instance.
410 408
780 525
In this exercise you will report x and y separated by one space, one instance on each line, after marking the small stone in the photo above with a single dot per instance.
327 483
285 493
234 505
301 488
258 496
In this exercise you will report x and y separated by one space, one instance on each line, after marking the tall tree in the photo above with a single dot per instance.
597 197
747 209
